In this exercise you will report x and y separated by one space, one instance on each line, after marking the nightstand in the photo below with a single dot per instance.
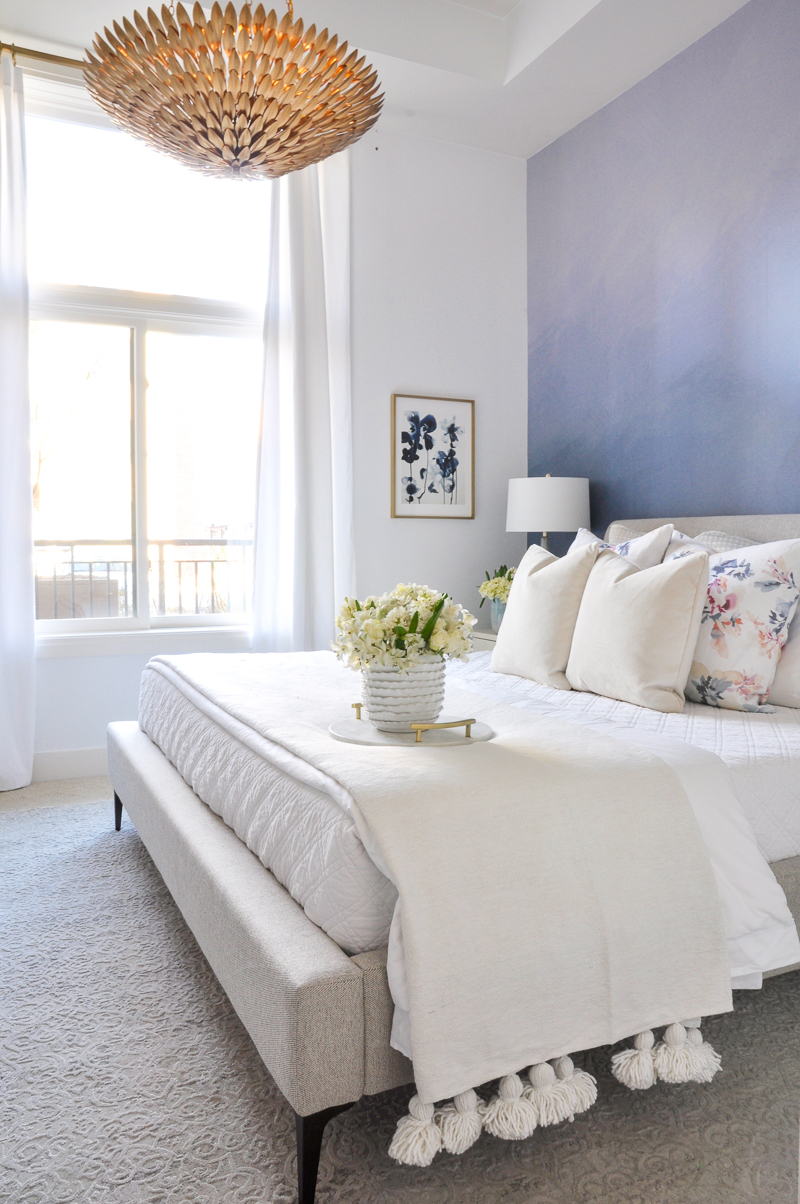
483 641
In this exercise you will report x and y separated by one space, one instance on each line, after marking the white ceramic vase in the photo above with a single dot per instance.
395 698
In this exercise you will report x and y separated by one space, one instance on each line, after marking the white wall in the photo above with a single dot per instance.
81 688
439 309
76 697
438 295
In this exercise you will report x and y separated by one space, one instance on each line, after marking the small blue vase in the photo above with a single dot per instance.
496 617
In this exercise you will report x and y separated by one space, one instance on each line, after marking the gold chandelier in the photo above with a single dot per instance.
246 96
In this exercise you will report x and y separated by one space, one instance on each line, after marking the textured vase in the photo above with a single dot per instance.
497 612
395 698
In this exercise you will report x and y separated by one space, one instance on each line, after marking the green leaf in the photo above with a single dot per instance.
400 631
358 604
427 630
412 627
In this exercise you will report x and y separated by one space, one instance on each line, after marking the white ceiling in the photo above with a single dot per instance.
504 75
498 8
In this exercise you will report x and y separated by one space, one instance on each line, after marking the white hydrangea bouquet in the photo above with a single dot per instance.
497 587
400 642
403 628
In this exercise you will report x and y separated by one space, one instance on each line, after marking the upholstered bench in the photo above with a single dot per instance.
319 1019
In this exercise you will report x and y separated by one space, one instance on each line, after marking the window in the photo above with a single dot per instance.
147 290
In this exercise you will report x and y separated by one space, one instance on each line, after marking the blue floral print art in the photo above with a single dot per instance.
430 451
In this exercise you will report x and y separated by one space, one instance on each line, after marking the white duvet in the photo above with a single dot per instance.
302 828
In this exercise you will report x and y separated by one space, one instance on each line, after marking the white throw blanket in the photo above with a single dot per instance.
554 888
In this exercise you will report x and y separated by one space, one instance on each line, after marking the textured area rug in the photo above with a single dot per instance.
128 1079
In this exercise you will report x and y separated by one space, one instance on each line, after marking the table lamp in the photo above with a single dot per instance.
547 504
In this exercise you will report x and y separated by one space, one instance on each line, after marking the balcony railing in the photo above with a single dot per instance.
94 578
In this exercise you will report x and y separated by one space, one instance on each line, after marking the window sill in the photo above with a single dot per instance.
151 642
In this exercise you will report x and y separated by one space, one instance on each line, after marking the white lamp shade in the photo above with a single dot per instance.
547 504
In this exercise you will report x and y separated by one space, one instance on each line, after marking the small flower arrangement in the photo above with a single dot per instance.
402 628
498 586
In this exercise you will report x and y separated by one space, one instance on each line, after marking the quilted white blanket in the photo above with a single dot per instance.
554 887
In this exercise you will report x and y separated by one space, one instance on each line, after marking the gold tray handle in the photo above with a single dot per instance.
419 728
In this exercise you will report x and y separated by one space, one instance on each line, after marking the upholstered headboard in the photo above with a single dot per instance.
762 527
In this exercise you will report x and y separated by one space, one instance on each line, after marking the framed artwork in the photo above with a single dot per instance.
433 457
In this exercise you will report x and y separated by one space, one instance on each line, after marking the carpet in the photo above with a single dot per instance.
127 1077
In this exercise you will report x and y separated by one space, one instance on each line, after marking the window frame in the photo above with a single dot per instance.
141 313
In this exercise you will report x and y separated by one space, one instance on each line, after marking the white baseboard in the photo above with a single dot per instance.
70 763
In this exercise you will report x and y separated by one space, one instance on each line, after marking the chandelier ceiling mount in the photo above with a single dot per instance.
233 94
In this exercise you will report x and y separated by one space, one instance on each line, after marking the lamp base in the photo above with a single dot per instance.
545 541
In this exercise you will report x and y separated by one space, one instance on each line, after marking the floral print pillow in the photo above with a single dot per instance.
682 545
752 596
645 551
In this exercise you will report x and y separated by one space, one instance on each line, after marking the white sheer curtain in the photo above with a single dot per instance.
17 647
304 557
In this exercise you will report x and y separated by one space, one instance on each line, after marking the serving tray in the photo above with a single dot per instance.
361 731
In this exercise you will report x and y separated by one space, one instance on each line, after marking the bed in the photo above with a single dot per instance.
301 956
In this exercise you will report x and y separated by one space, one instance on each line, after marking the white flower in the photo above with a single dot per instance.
497 587
393 630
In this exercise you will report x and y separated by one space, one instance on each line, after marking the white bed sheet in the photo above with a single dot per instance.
761 751
310 842
305 838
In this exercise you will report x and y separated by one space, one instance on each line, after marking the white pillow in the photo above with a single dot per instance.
719 541
623 534
644 551
707 541
637 629
682 545
536 633
785 691
753 594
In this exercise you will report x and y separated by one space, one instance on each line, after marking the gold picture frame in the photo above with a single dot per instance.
433 456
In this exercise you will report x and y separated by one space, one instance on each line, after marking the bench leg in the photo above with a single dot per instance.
309 1144
117 812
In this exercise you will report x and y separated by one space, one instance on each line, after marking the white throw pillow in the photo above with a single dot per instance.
682 545
536 633
752 597
785 691
707 541
719 541
637 629
644 551
623 534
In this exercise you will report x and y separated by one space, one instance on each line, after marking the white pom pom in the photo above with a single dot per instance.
417 1139
634 1068
684 1057
710 1061
564 1068
578 1088
550 1103
460 1122
705 1059
509 1115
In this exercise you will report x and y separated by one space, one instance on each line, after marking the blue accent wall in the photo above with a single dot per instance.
664 284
